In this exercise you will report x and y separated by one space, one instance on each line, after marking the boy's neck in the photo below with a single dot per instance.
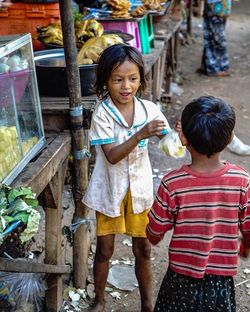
203 164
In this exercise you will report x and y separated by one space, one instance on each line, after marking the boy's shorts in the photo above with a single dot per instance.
127 223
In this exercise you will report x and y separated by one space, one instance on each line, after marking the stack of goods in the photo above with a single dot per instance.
87 29
50 34
152 5
93 48
84 30
10 154
13 63
138 12
120 8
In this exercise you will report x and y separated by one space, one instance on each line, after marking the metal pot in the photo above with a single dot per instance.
52 76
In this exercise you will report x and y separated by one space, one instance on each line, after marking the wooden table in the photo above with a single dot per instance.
167 30
45 175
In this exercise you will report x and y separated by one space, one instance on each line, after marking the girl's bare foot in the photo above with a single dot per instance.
97 307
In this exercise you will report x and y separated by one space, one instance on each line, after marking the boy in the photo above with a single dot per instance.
205 203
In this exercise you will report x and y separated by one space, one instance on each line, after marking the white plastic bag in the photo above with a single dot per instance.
27 291
171 145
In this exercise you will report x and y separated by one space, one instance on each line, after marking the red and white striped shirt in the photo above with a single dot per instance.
206 212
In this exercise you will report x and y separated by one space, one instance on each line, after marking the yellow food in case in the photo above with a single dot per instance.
21 126
10 151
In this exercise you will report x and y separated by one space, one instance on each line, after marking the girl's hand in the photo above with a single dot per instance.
153 128
115 153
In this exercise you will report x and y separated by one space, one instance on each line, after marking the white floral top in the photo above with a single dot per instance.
109 183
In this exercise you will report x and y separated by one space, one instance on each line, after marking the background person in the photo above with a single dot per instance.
215 58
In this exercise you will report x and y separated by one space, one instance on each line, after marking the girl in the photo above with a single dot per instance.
121 186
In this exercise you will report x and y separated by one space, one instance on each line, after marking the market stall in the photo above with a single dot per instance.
32 166
160 57
46 172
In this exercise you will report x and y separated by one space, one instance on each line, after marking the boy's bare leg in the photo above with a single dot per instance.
104 251
142 252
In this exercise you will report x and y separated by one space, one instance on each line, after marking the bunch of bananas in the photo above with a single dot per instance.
52 33
93 48
120 8
87 29
152 4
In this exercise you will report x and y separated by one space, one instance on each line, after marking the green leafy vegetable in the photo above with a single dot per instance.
18 204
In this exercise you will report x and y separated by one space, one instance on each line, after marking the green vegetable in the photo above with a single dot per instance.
19 204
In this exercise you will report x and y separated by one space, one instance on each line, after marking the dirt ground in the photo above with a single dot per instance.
236 90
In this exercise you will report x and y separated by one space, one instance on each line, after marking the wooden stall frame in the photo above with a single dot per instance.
46 175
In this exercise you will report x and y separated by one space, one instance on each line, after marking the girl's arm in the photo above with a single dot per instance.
114 153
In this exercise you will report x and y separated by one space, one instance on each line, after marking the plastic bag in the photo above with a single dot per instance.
123 277
171 145
26 291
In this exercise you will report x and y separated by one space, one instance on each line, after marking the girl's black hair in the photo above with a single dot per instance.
112 57
208 123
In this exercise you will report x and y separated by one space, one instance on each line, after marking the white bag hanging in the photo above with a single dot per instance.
171 145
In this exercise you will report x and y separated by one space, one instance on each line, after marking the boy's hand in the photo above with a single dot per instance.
177 126
244 251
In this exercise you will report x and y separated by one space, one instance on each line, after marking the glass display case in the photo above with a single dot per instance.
21 127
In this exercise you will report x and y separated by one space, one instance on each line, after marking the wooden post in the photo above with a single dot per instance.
176 50
80 174
189 17
52 197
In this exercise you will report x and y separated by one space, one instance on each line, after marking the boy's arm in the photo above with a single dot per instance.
154 239
244 251
245 227
161 217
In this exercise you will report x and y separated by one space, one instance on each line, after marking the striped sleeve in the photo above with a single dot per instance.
161 216
244 216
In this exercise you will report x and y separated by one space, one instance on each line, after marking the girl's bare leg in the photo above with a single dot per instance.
104 251
142 252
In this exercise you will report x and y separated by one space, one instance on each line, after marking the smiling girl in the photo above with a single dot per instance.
121 186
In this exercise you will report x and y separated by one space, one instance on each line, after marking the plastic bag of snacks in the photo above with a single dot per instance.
171 145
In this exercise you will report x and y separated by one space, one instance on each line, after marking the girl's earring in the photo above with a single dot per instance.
104 87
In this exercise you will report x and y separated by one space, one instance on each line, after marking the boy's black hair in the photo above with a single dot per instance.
208 123
112 57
